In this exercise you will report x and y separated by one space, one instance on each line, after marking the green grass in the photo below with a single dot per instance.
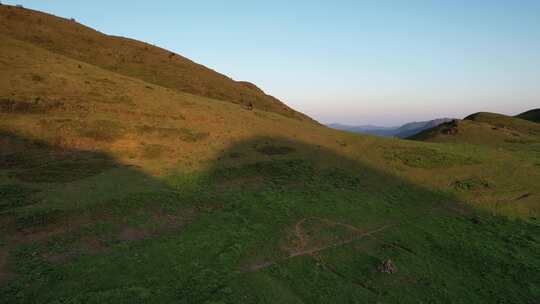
13 196
275 150
63 171
506 122
499 132
184 134
427 158
219 232
472 184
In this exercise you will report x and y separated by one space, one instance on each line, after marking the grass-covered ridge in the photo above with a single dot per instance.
488 129
132 58
531 115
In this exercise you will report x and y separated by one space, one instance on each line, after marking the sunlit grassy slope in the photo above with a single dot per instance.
117 189
491 130
133 58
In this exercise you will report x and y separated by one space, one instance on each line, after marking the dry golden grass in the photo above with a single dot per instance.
132 58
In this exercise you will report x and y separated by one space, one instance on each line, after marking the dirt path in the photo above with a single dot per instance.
340 243
302 249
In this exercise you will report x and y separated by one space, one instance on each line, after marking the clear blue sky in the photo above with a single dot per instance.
357 62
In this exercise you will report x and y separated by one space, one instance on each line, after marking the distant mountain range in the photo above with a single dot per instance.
404 131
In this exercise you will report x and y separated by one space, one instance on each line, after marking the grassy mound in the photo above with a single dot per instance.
506 122
531 115
488 129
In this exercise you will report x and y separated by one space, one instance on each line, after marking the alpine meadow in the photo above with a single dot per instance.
131 174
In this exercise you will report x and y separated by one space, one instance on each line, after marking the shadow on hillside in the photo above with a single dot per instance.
261 203
29 166
48 189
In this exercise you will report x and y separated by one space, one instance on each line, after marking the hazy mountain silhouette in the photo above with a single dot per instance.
403 131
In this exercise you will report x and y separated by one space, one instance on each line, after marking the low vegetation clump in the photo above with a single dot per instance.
14 196
37 78
191 136
63 171
472 184
8 105
183 134
275 150
35 218
120 99
17 160
426 158
520 141
100 130
157 131
235 155
152 151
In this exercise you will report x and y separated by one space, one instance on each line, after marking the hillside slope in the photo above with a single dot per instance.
505 122
488 129
413 128
531 115
117 190
133 58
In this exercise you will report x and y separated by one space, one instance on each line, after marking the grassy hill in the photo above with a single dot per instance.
132 58
531 115
118 189
488 129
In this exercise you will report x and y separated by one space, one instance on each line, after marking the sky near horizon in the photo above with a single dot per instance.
353 62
